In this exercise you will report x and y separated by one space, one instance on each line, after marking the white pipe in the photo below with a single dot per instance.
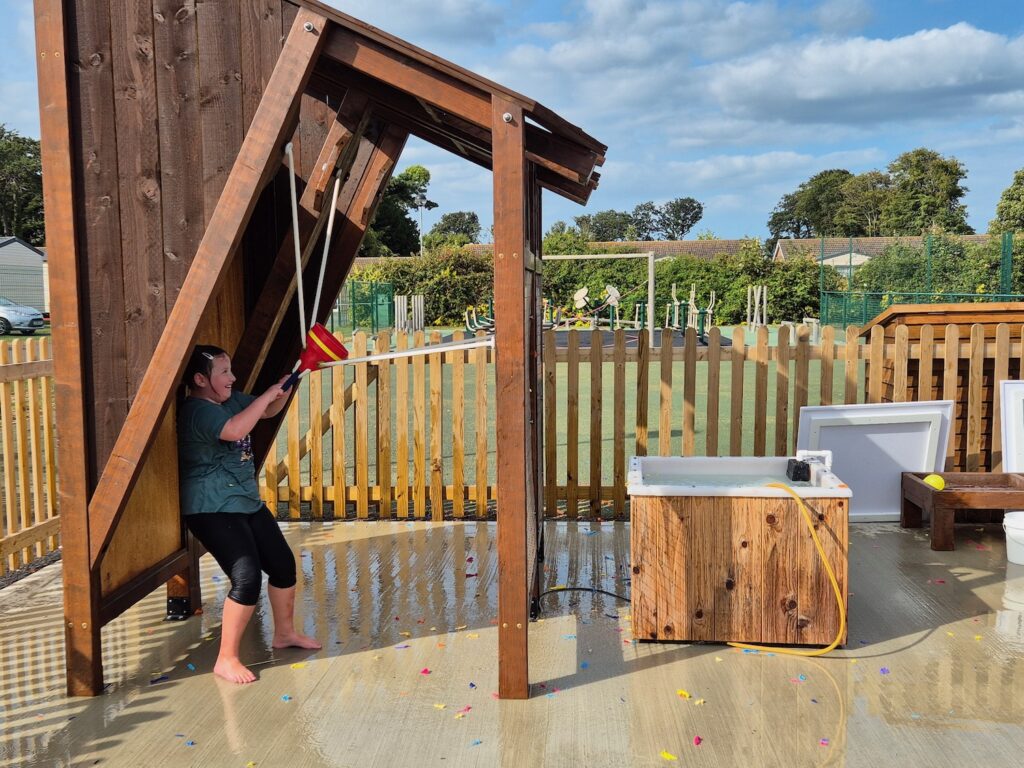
327 246
650 299
432 349
298 251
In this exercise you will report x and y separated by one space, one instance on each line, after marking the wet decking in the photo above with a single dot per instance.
932 674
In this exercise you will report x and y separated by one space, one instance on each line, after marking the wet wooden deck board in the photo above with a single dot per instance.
948 700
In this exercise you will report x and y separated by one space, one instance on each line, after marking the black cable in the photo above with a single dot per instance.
584 589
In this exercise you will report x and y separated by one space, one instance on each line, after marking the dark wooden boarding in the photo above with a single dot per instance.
169 223
962 491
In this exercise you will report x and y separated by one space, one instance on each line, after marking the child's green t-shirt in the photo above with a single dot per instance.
216 475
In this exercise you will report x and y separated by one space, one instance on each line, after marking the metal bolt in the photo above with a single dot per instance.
519 626
507 117
308 26
505 625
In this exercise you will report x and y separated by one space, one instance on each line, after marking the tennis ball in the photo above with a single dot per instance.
935 481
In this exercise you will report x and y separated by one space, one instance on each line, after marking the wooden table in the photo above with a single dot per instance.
964 490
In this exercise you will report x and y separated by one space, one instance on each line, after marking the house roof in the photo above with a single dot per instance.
448 106
810 247
701 249
6 240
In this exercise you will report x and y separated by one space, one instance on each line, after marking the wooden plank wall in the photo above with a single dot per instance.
737 388
157 88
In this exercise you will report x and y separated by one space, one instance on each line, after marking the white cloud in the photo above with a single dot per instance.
839 16
929 74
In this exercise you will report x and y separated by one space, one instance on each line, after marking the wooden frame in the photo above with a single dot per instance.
161 240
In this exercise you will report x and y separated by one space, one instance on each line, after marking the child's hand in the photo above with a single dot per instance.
275 392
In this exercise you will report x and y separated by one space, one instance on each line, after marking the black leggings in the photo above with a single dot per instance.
243 545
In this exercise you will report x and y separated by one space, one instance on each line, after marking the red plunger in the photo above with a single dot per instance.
321 347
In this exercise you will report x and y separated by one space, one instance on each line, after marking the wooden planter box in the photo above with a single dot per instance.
720 568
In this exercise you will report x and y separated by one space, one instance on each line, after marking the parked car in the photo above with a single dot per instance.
15 317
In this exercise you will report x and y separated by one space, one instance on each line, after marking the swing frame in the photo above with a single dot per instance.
137 279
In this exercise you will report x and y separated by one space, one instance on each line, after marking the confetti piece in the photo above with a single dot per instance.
977 637
402 647
299 665
683 694
884 670
424 671
473 635
699 703
476 743
469 559
405 634
159 679
191 667
584 664
472 686
440 645
853 661
940 581
823 742
457 629
286 697
802 678
612 615
190 743
950 634
470 575
814 701
440 706
668 755
251 764
719 658
590 533
433 629
697 741
558 586
377 657
495 696
568 637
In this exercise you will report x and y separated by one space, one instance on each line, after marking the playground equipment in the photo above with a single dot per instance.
696 317
321 347
757 307
581 301
480 322
403 322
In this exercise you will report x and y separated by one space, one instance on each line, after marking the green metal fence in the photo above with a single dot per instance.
366 306
843 308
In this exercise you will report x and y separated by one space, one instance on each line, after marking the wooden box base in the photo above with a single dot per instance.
736 569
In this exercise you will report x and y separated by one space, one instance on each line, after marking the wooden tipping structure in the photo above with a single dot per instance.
163 129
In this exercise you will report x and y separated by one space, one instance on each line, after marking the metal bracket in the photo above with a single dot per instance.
178 608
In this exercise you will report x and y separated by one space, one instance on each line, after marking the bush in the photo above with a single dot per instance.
450 280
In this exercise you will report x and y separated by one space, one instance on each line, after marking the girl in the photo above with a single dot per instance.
221 504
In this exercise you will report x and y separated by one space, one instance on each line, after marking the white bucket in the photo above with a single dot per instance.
1013 524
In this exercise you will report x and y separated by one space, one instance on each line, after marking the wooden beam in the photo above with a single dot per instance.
337 154
258 158
511 297
408 75
83 659
574 163
360 197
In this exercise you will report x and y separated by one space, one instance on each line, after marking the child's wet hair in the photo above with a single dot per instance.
201 361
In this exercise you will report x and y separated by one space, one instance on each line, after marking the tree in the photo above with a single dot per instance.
677 217
453 230
864 196
1010 209
926 194
604 226
393 230
561 239
786 221
21 187
819 199
644 221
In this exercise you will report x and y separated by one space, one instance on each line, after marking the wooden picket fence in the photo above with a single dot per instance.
29 526
730 399
415 437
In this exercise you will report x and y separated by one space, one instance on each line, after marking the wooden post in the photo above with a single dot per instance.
83 660
512 391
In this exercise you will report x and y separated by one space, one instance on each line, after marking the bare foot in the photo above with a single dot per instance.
233 670
295 640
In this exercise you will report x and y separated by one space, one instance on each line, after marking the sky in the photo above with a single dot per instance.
732 103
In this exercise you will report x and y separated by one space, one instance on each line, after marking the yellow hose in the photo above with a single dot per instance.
831 578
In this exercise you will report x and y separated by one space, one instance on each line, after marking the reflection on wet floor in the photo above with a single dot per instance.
931 676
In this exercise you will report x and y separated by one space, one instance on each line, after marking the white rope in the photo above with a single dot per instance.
327 246
432 349
298 250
